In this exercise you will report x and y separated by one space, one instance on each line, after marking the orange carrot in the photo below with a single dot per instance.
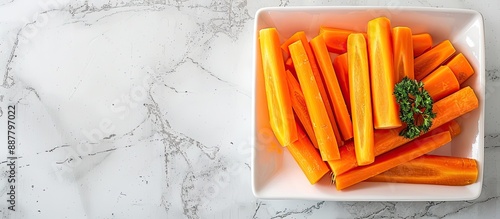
392 159
300 108
333 87
460 67
452 126
289 64
361 105
327 142
335 39
348 160
421 43
341 69
441 83
385 107
447 109
301 35
277 94
294 38
308 158
337 133
402 46
454 105
430 60
432 169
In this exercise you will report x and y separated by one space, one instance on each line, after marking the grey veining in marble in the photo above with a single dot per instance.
134 109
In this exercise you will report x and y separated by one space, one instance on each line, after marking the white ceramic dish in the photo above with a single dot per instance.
275 175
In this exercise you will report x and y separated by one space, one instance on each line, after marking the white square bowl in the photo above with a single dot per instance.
275 175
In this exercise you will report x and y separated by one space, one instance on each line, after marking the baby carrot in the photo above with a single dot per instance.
402 46
301 35
392 159
433 58
441 83
333 87
341 69
385 107
421 43
327 143
361 105
299 107
308 158
279 102
432 169
460 67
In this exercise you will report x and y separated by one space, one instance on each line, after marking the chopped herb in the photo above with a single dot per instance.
415 107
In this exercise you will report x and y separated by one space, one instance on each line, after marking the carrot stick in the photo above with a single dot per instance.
454 105
336 131
402 45
335 39
460 67
341 69
432 169
333 87
289 64
385 107
278 97
348 160
300 108
421 43
441 83
392 159
361 106
301 35
447 109
452 126
308 158
430 60
327 142
296 36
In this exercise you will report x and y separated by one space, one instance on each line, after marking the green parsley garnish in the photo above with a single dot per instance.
415 107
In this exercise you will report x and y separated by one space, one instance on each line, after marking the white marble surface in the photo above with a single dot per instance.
142 109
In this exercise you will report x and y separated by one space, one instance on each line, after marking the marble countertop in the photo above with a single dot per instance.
142 109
